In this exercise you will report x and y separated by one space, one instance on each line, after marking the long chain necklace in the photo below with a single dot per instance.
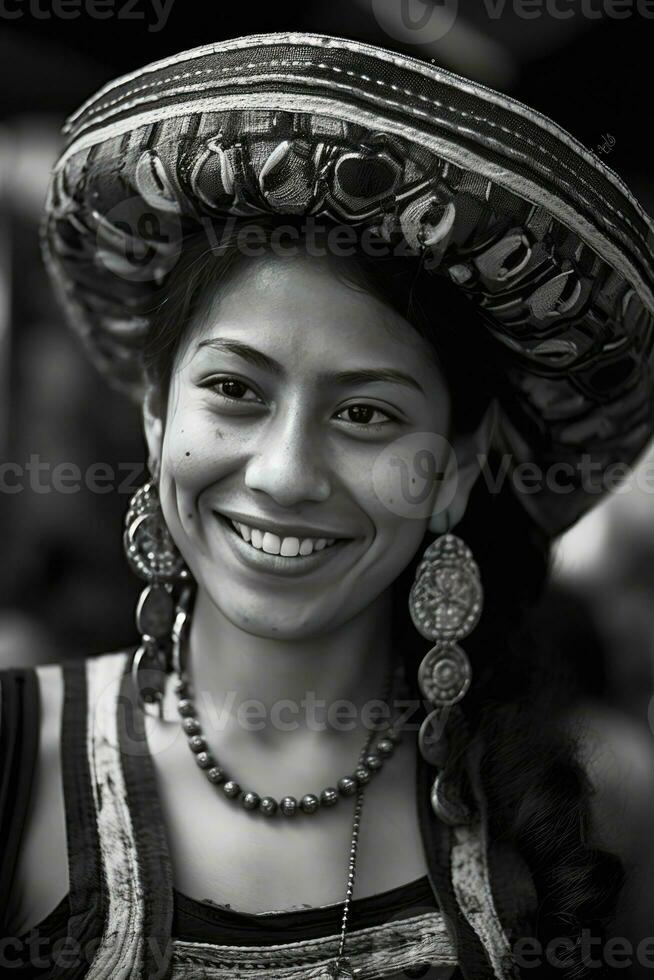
370 762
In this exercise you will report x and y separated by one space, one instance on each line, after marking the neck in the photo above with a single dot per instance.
271 686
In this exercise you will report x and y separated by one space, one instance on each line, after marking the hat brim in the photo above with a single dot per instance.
545 239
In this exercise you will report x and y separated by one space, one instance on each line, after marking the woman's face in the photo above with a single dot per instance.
298 407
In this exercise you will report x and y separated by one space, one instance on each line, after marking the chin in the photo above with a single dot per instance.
287 621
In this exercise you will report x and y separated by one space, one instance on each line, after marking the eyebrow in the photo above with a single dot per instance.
251 354
341 378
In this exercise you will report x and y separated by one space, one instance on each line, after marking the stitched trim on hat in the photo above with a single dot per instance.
455 154
403 61
95 118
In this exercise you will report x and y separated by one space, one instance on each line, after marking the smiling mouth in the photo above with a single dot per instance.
274 544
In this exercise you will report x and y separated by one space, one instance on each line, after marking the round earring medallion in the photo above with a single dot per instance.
444 675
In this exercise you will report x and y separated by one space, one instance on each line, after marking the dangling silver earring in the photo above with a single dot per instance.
153 555
445 603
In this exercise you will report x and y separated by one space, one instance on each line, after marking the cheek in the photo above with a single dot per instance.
398 509
196 451
196 455
407 475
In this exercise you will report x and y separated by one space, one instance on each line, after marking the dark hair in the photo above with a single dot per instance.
392 277
538 795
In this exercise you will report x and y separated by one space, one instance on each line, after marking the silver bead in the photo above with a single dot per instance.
268 806
288 806
250 801
329 796
347 786
197 743
385 747
186 707
310 803
231 789
393 735
373 762
191 726
362 775
215 774
204 760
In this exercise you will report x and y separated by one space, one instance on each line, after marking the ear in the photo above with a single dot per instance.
153 427
465 463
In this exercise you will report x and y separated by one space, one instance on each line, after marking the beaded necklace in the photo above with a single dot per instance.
370 763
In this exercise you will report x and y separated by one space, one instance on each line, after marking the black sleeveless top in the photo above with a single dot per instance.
469 934
207 922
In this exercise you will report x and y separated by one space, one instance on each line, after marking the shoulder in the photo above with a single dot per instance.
38 693
40 819
30 700
51 689
36 811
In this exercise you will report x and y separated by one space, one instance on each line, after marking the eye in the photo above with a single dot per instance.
233 389
365 415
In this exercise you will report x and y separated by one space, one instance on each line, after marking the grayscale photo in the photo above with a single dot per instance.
326 490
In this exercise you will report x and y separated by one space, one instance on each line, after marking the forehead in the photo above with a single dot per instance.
305 311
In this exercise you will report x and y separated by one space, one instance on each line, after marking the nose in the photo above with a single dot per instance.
287 463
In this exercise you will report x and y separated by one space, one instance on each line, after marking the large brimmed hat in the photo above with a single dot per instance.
548 243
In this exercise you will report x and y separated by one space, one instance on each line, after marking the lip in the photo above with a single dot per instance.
261 561
282 530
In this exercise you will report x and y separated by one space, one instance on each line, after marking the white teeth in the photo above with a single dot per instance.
272 544
243 530
290 548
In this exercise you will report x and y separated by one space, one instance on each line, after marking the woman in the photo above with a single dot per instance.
319 418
